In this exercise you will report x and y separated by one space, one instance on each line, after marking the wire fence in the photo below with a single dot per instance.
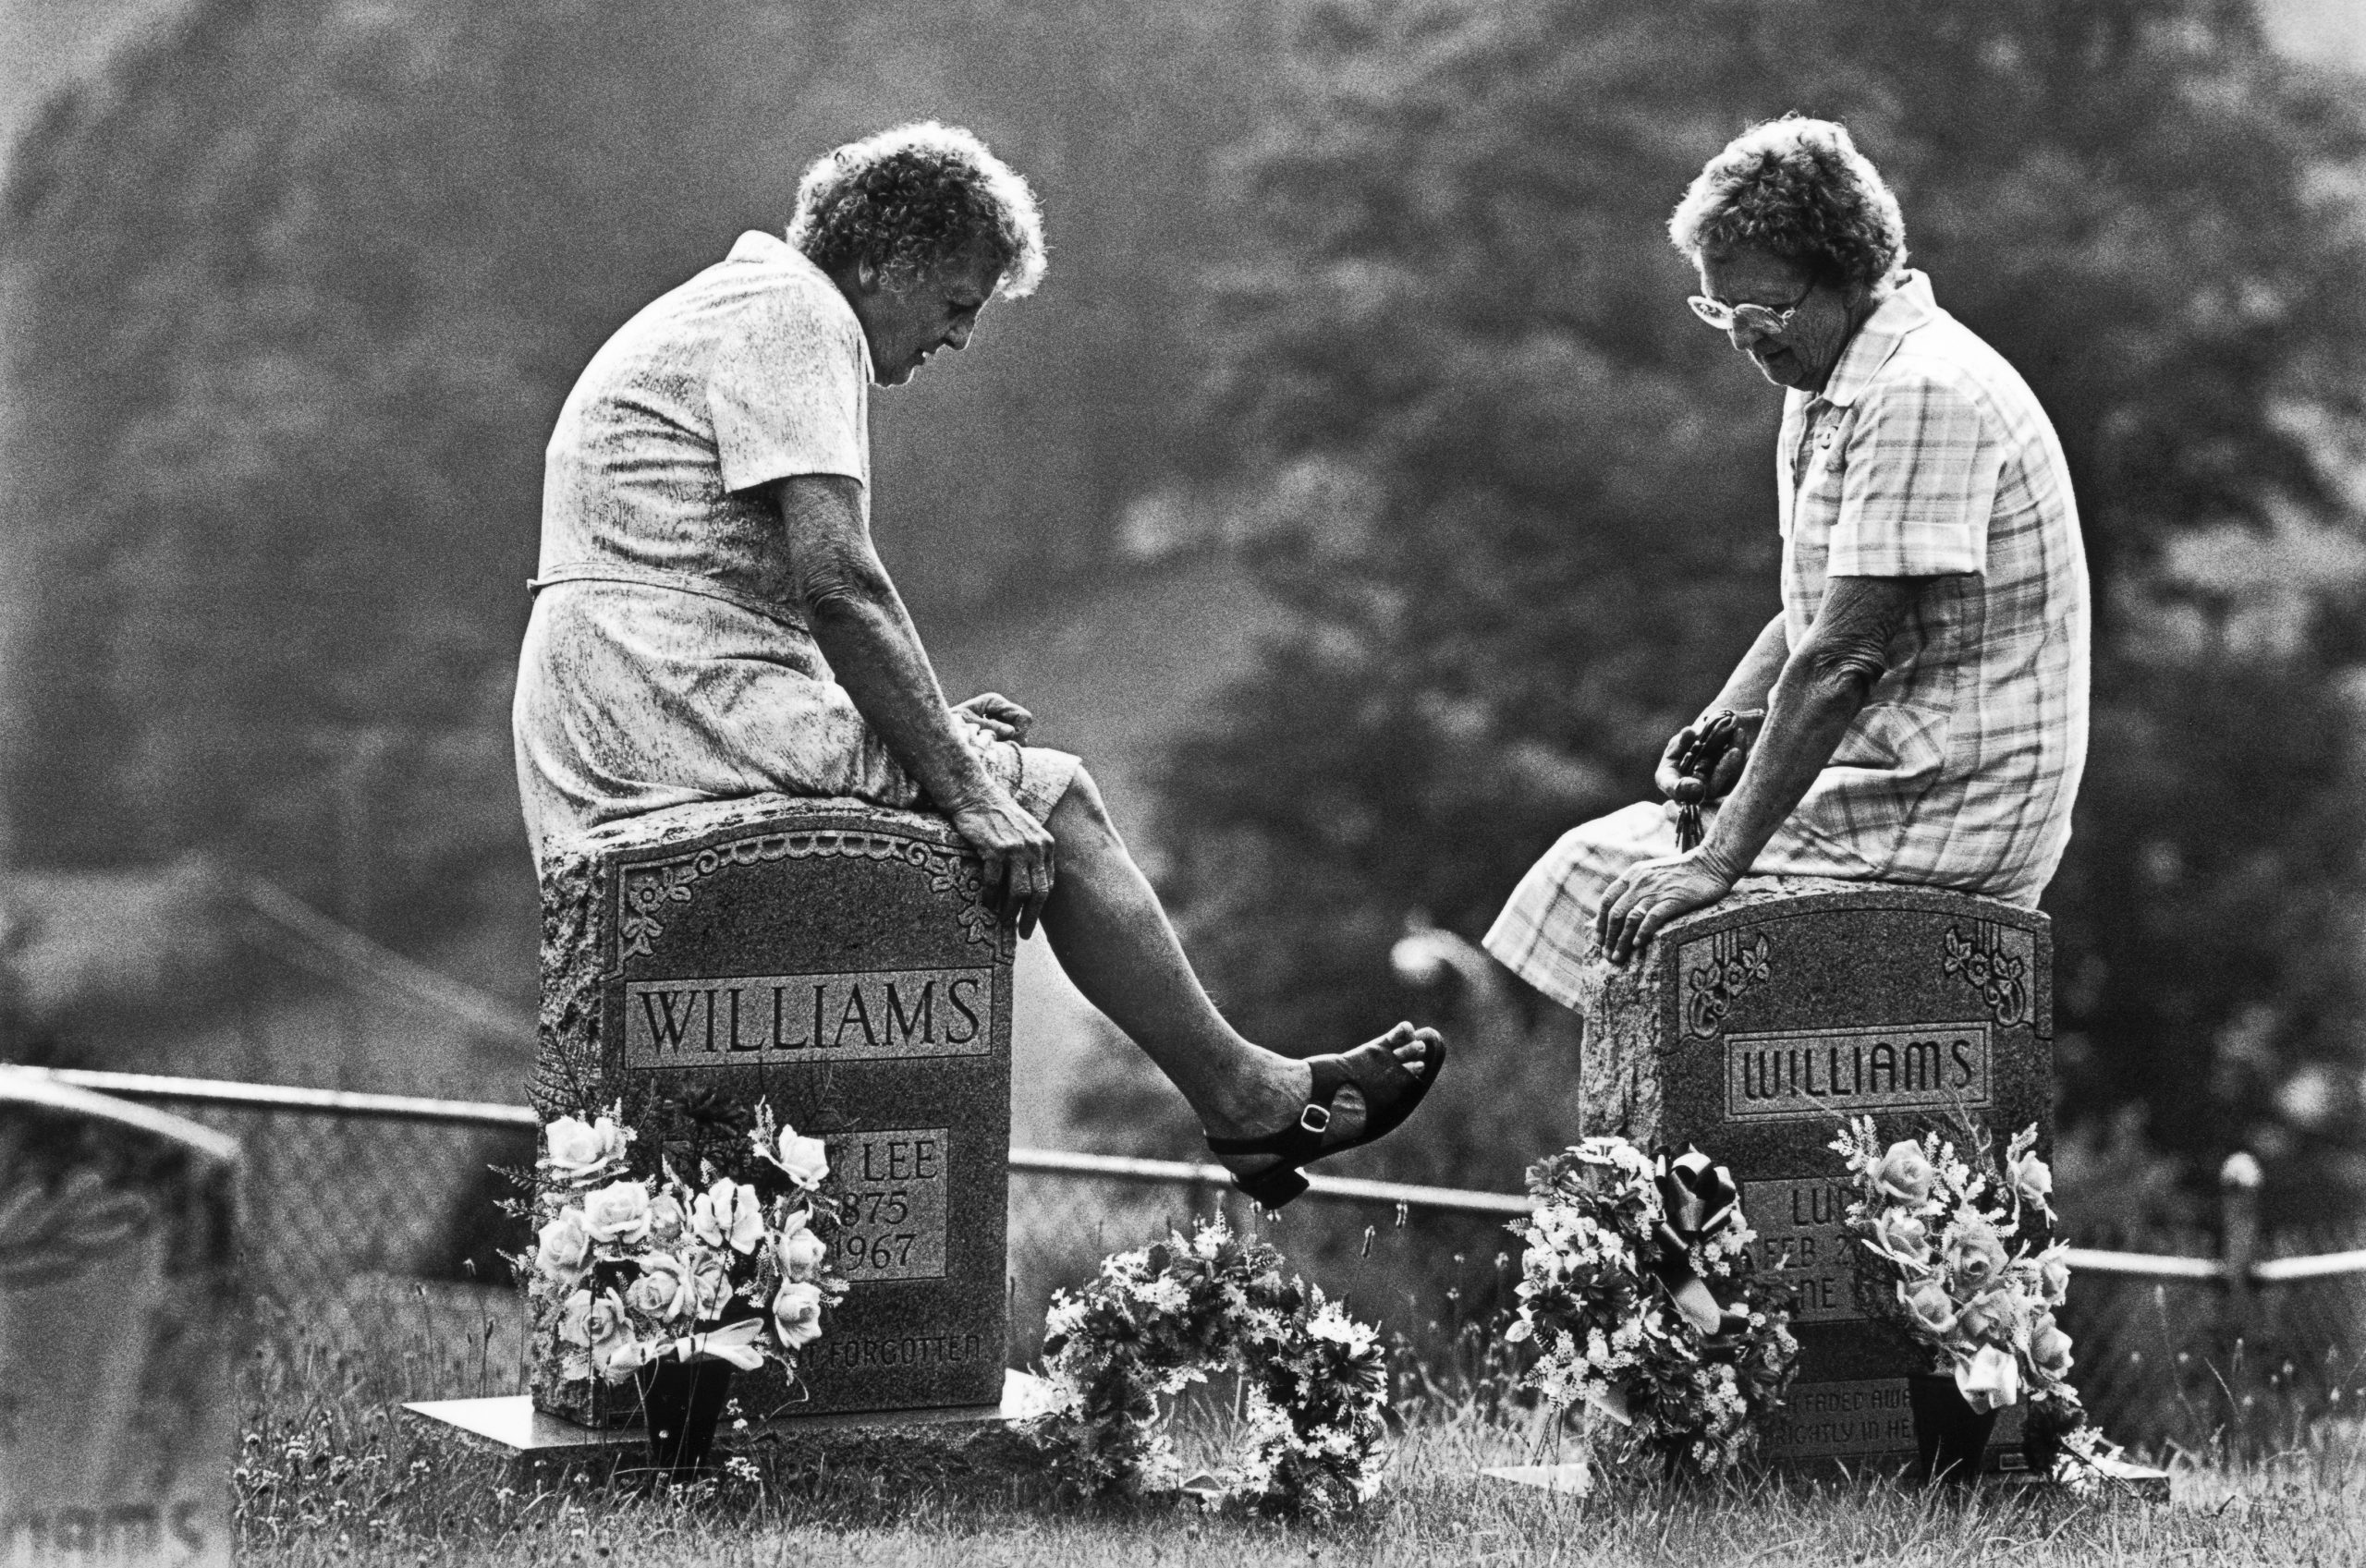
374 1237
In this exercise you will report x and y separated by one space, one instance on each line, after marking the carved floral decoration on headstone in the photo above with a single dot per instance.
1981 962
1733 969
48 1233
648 891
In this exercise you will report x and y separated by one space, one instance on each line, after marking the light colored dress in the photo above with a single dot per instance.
665 661
1925 455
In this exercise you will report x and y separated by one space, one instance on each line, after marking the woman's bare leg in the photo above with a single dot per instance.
1111 936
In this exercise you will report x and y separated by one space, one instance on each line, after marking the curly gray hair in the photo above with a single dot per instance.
1799 188
911 199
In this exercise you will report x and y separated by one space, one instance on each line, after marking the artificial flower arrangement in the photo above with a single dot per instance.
1638 1293
1953 1249
630 1271
1159 1318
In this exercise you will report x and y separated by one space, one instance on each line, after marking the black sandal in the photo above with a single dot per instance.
1301 1143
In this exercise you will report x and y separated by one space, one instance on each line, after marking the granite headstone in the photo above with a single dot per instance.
835 960
1750 1028
119 1331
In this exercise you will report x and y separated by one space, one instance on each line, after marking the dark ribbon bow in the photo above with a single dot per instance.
1696 1198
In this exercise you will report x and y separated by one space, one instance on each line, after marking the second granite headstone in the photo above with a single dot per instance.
1750 1028
119 1332
835 960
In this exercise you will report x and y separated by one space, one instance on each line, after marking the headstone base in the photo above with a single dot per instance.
1569 1479
540 1446
2139 1483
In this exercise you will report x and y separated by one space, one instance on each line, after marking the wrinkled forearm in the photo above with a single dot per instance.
874 650
1810 709
1825 683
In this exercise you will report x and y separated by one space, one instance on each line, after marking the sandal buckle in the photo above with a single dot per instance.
1315 1119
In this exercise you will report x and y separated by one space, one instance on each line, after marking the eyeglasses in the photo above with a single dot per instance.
1763 319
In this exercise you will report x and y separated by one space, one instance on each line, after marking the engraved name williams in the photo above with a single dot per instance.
1796 1074
902 1013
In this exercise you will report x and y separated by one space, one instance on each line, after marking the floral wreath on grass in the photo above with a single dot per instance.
1162 1317
628 1270
1638 1292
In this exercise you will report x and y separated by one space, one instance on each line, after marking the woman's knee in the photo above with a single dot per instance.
1080 810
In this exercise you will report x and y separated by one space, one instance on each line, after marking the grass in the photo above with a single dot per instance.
331 1477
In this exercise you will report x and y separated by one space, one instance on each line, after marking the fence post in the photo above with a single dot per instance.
2238 1180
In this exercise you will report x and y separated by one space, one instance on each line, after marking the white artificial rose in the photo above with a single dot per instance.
711 1286
1993 1315
2054 1280
562 1249
1974 1254
1927 1304
575 1318
727 1214
2050 1349
801 1251
578 1150
593 1328
802 1159
1899 1233
797 1314
667 1290
1902 1173
591 1320
2033 1183
617 1215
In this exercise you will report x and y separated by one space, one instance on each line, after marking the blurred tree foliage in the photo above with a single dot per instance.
1522 498
294 292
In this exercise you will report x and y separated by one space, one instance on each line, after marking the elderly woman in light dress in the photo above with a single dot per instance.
707 569
1917 710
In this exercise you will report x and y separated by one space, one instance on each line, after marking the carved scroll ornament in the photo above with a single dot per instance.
650 890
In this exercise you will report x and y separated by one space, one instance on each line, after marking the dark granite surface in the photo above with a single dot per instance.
834 959
119 1331
1751 1028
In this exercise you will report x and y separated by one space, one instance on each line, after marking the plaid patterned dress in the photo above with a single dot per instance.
1925 455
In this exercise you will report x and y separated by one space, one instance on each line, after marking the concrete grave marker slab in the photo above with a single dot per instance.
834 959
1751 1027
119 1331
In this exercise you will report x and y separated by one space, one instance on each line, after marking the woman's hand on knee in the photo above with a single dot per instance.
1019 855
998 716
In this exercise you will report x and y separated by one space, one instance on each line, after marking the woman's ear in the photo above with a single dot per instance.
866 276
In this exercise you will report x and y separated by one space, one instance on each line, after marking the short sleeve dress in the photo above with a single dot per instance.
1925 456
665 661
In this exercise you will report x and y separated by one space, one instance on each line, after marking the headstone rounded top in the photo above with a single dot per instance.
756 813
1747 903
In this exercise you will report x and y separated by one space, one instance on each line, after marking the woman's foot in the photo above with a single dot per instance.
1302 1111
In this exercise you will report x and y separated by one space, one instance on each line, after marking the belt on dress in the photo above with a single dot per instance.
680 582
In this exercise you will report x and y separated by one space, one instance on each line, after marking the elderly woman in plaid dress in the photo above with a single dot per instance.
1917 711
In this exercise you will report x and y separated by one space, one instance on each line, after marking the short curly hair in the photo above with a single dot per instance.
913 198
1799 188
